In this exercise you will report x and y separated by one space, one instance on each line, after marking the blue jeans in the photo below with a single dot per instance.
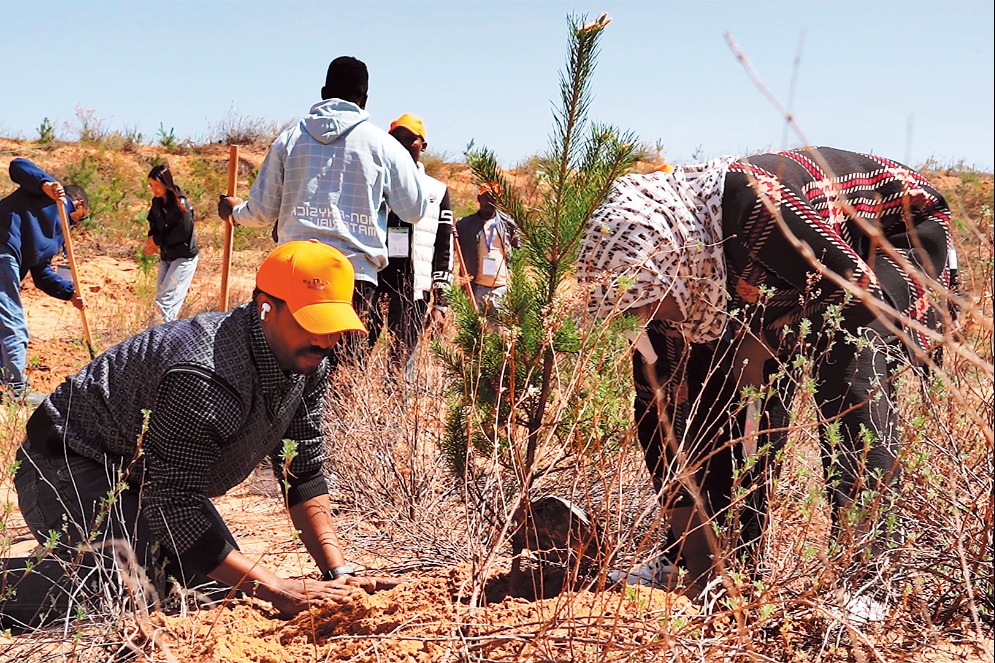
13 327
172 285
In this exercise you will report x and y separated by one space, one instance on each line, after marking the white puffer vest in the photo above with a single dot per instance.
423 238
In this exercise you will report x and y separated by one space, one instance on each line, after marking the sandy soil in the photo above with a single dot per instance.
433 617
429 619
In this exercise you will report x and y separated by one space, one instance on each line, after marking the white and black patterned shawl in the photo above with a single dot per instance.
660 234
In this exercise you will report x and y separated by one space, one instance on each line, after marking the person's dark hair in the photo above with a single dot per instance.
76 193
255 297
347 79
162 174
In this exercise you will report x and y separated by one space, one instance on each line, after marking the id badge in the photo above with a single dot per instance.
490 266
397 242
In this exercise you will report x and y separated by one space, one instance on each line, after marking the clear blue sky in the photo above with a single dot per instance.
905 79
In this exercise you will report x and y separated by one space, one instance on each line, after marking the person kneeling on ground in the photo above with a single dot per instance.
184 412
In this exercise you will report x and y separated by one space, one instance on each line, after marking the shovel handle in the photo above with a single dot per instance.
64 218
229 229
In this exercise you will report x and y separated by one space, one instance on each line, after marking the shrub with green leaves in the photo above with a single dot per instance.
46 132
167 138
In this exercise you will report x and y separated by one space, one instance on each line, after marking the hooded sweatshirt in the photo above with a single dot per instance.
332 177
30 229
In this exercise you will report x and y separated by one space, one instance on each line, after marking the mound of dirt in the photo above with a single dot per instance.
427 619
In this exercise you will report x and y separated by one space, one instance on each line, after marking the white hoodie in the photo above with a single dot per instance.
331 178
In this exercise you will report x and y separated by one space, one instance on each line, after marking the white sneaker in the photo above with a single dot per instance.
862 610
659 572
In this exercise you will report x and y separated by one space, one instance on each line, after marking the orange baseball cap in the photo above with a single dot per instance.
316 281
492 188
411 123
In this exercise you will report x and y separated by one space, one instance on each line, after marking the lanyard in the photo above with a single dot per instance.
489 240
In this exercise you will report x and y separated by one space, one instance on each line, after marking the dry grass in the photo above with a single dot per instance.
402 511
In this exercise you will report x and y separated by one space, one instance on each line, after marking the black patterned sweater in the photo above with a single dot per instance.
218 404
825 197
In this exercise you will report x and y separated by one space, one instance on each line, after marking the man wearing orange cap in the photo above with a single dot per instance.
179 414
486 239
419 266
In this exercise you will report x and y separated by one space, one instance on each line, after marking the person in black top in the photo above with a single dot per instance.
740 268
419 264
171 235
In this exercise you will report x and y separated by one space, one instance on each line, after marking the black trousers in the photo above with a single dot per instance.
353 348
96 523
701 408
405 316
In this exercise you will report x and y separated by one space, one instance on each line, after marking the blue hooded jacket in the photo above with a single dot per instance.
30 229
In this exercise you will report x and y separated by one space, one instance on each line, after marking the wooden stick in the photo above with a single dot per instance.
64 218
229 228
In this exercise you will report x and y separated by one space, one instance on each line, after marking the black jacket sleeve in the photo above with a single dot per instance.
442 258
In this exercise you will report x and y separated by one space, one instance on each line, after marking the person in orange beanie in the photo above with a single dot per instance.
419 265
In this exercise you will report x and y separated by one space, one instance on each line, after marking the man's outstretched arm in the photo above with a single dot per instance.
289 596
313 519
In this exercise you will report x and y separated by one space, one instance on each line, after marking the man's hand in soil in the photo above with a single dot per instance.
288 595
291 596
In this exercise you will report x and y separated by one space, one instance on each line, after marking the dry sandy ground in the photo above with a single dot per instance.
433 617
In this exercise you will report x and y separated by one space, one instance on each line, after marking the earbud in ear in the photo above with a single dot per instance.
264 309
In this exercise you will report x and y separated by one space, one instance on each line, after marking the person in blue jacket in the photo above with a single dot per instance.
30 236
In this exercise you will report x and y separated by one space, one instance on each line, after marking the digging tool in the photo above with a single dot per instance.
64 218
229 228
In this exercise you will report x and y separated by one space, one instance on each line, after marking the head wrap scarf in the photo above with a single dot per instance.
660 234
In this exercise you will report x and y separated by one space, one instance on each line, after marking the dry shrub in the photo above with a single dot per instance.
385 469
235 129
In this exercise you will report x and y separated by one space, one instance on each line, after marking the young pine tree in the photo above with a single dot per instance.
510 370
